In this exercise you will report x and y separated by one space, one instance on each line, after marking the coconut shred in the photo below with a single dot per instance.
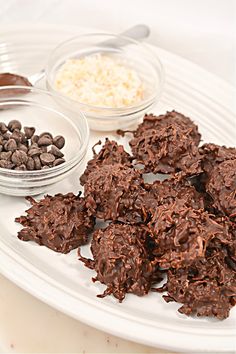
100 80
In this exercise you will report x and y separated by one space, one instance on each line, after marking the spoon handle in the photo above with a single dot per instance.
37 77
137 32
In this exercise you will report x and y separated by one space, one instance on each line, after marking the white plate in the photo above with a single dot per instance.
62 281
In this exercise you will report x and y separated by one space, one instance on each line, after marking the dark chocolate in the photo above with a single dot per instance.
169 190
207 288
110 154
184 225
8 79
221 186
151 121
167 144
182 234
212 155
61 222
111 192
122 260
28 151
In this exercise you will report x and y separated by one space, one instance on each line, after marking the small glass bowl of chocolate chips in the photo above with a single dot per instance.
40 143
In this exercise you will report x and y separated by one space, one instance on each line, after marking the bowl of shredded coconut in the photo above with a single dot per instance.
112 85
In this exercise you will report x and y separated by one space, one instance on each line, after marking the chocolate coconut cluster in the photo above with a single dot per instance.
61 222
167 144
181 230
183 226
122 260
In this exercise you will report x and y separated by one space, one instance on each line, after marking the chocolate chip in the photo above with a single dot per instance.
44 149
59 141
37 163
23 147
21 168
30 164
44 141
10 145
55 151
29 132
33 145
3 128
19 157
6 136
17 136
34 139
6 164
47 158
46 134
14 124
5 155
34 151
58 162
26 150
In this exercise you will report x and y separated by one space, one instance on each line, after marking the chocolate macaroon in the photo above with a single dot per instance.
207 288
168 190
182 234
212 155
61 222
167 144
110 154
122 260
151 121
111 192
221 186
215 183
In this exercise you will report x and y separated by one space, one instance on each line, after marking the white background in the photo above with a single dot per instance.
203 31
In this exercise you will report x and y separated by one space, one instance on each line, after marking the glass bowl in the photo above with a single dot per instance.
39 108
133 54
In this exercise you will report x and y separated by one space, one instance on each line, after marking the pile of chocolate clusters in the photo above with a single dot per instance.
183 227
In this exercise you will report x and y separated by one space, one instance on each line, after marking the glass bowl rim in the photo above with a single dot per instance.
52 171
118 110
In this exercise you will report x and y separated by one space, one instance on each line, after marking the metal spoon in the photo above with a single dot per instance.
137 32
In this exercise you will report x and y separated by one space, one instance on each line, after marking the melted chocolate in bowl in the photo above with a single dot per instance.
7 79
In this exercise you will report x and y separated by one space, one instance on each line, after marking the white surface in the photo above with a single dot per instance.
28 326
203 31
63 282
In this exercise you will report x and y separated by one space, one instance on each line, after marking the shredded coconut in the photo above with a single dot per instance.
99 80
